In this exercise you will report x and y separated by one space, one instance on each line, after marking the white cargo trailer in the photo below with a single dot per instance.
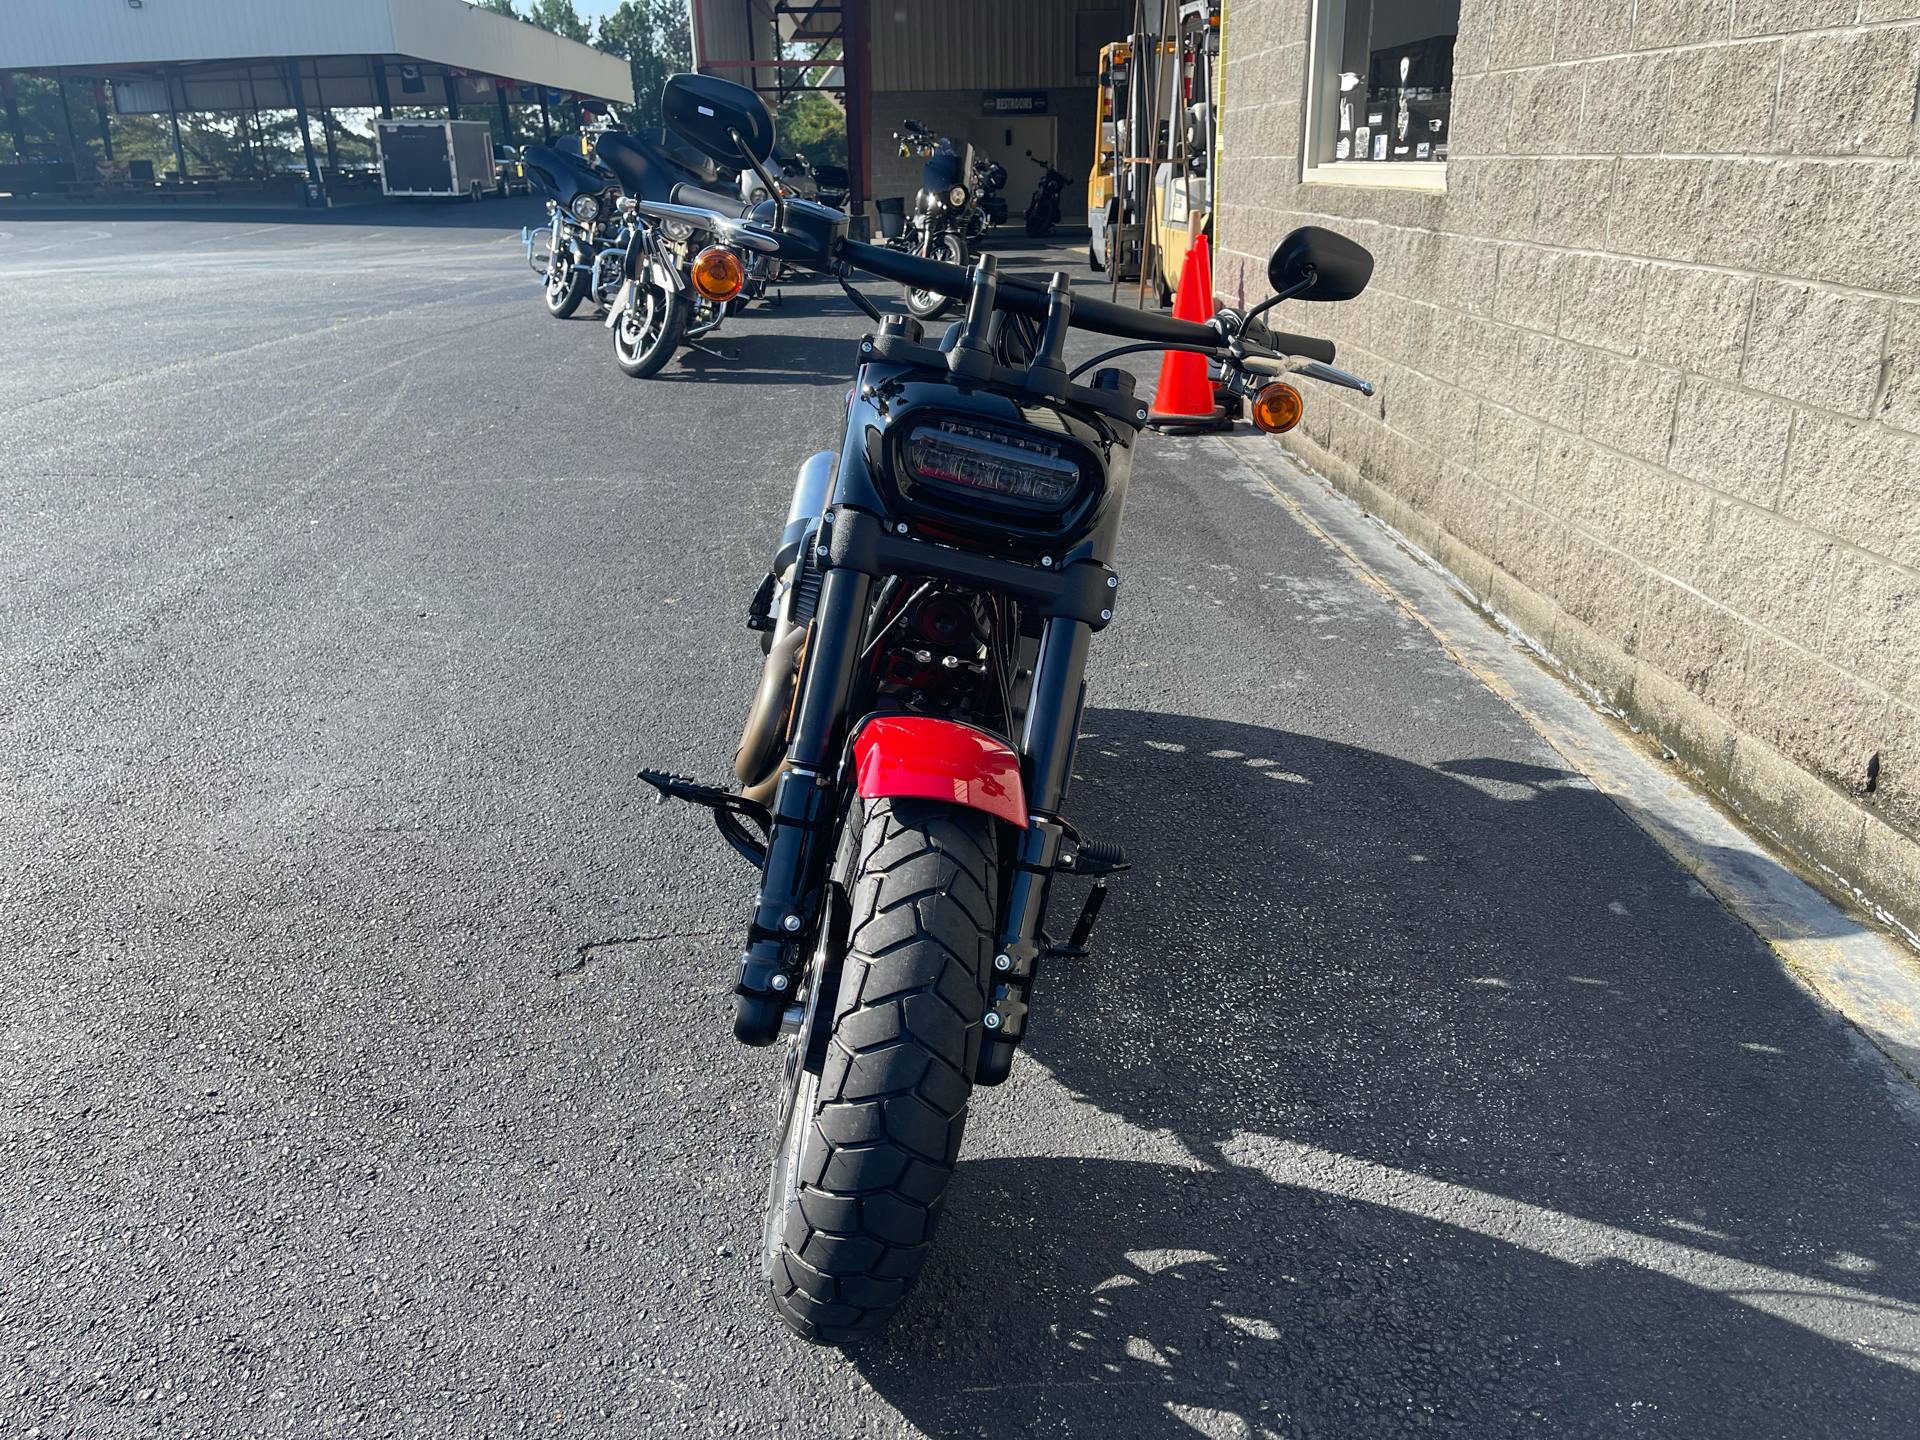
436 157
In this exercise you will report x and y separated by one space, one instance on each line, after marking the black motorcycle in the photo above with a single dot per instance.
989 179
1043 211
583 228
679 275
905 763
945 224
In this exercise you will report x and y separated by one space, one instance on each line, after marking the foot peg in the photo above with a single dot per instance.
729 812
1095 857
1098 858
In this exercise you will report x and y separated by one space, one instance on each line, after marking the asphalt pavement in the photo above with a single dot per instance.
365 1058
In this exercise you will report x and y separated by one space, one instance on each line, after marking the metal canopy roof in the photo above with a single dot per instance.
100 36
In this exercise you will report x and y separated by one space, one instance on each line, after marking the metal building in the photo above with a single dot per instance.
185 56
1005 76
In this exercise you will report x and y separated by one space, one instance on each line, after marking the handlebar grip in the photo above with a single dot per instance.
1303 345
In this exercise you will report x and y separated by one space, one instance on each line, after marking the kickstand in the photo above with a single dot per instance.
1076 945
709 350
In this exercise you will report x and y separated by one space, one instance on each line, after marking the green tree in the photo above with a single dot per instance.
651 36
560 17
498 7
812 124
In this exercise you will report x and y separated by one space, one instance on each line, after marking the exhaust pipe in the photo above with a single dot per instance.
763 742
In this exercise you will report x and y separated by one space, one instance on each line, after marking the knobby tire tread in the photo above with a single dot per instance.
881 1148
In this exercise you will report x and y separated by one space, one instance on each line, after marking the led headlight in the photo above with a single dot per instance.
585 207
676 229
990 461
957 195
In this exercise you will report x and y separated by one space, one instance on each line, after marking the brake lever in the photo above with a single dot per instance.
1298 365
1313 369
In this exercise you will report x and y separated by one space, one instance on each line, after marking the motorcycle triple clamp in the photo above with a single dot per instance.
731 813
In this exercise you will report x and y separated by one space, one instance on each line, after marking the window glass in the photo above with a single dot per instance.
1394 79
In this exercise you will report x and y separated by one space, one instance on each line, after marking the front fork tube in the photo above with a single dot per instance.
800 838
1053 726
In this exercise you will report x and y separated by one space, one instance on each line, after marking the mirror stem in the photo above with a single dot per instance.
1286 294
773 185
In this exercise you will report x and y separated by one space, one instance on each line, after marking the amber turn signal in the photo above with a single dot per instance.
718 274
1277 408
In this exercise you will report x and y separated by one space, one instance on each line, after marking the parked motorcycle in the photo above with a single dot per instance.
678 276
945 224
582 229
905 762
793 171
835 185
989 179
1043 211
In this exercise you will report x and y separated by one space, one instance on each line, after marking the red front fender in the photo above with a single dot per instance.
917 757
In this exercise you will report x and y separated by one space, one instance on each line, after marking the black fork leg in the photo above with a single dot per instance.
800 840
1053 725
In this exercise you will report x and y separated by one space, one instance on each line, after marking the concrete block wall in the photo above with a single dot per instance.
1650 372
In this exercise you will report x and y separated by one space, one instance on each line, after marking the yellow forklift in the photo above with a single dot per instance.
1153 199
1115 206
1183 181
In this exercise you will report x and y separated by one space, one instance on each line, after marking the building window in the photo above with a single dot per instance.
1383 87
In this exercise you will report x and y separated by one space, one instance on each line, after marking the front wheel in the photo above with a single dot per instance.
870 1131
929 304
648 330
566 286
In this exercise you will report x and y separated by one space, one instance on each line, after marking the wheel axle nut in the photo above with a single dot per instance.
779 982
792 922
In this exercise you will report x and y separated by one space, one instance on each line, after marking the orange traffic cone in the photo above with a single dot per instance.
1183 401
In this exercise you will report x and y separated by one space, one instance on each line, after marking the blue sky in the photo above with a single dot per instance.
594 9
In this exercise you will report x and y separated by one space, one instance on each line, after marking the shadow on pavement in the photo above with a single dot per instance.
1487 981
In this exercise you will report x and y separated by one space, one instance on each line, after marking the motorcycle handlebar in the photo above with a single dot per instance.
1024 297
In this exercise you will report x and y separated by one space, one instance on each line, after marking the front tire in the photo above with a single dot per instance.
926 304
566 286
868 1144
648 331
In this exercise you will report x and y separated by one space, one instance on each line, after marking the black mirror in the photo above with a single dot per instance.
1337 268
707 111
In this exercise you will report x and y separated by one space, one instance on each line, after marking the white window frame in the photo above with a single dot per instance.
1323 92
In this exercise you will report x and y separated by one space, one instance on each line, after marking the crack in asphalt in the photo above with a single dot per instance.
584 955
